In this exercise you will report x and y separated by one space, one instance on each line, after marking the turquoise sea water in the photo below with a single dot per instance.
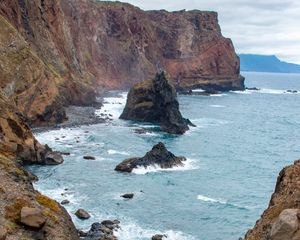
241 142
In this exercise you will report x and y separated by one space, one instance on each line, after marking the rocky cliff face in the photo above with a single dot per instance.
55 53
282 218
18 146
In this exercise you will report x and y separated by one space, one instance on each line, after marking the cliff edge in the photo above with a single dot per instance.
281 220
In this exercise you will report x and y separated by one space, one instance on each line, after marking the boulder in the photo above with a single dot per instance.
158 237
128 195
155 101
64 202
158 156
286 225
53 158
82 214
101 231
32 217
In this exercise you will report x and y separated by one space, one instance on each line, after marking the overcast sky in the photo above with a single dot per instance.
255 26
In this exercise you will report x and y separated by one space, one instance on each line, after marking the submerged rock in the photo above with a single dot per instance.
156 101
32 217
64 202
159 156
82 214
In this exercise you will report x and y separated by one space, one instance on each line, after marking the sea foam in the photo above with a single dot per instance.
189 164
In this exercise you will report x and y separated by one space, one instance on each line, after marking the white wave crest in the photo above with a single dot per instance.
211 200
132 231
189 164
113 106
113 152
217 106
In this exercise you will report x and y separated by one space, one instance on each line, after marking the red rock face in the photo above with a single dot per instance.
83 46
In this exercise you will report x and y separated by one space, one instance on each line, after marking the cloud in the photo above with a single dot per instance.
262 26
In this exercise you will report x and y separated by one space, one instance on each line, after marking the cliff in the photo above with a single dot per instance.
281 220
17 147
56 53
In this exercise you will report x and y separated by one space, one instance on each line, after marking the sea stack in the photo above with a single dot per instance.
158 156
155 101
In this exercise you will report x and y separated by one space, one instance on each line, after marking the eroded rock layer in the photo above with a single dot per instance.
281 220
55 53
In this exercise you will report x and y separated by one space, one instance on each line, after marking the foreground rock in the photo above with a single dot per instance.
158 156
32 217
281 220
158 237
82 214
101 231
155 101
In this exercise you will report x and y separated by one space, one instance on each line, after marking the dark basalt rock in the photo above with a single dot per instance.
155 101
159 155
82 214
89 158
101 231
128 195
158 237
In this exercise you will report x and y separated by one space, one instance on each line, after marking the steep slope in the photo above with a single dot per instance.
69 50
18 146
282 218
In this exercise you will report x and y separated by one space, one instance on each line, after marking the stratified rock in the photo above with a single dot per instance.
286 225
156 101
71 62
82 214
280 219
32 217
158 156
128 195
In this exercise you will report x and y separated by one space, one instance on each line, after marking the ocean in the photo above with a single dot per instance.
241 142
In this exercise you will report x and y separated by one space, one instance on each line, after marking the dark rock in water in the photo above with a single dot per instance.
64 202
82 214
89 158
291 91
159 155
101 231
155 101
253 88
65 153
128 195
158 237
53 158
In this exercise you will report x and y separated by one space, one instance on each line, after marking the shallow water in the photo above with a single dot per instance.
241 142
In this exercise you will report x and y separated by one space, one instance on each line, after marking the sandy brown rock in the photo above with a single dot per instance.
32 217
279 220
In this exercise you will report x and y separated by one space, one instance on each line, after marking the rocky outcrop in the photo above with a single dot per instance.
281 219
24 212
155 101
48 62
158 156
102 231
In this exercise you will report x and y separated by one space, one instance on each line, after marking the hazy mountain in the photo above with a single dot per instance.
266 63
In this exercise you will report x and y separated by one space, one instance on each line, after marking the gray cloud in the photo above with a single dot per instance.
262 26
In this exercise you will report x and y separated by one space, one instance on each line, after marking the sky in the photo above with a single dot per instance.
270 27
